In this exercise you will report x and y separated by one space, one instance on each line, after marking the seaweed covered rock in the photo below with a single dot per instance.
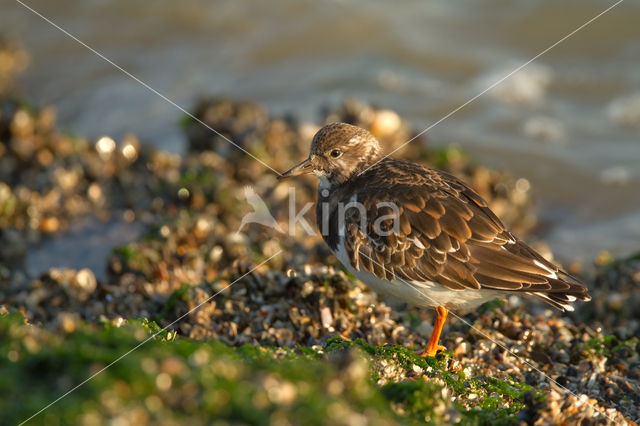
244 123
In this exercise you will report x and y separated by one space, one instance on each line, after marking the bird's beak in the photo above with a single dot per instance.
302 168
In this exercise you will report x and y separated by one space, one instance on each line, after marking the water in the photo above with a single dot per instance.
570 122
87 244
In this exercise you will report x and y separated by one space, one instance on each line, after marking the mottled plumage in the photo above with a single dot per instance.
420 234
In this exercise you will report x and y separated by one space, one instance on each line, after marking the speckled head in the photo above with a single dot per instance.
339 151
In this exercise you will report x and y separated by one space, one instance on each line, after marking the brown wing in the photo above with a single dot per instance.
435 228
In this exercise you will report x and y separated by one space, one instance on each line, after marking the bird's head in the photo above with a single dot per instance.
338 152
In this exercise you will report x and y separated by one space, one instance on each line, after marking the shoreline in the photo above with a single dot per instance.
188 209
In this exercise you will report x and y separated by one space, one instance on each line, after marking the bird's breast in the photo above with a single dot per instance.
327 217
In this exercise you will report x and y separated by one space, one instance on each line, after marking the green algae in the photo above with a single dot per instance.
175 379
608 345
169 380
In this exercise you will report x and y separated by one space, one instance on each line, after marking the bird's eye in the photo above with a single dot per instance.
336 153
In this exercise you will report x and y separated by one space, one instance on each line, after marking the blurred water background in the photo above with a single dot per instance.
569 123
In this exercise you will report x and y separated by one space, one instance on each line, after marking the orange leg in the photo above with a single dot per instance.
433 346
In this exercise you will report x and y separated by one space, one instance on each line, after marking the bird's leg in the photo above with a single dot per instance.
433 346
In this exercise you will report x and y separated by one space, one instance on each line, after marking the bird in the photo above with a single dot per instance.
260 213
421 235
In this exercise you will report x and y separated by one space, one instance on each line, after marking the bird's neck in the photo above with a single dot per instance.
325 184
328 183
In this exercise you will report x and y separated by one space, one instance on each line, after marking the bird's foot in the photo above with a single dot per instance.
432 351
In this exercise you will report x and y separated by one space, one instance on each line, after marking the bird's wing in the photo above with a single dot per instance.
443 231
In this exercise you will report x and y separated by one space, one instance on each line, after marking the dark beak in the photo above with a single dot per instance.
302 168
